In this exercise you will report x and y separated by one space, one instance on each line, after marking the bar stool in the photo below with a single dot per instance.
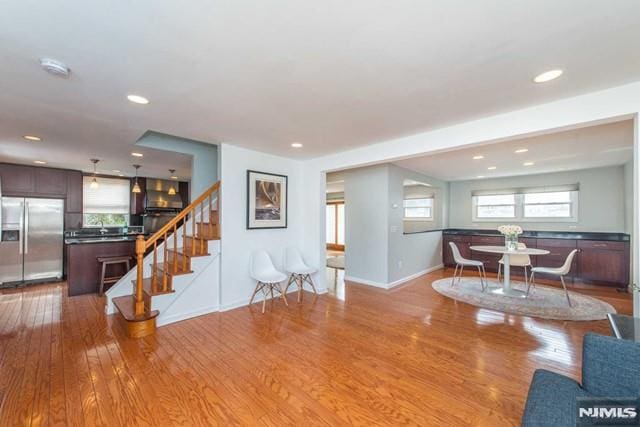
112 260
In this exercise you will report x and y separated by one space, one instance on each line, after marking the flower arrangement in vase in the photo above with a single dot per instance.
511 233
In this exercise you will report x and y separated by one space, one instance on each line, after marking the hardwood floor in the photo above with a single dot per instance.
405 356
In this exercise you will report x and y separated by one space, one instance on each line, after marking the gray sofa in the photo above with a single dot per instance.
610 368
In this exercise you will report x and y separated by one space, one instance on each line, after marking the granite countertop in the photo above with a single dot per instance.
571 235
109 238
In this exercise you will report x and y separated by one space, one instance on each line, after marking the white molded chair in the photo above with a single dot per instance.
559 271
299 272
517 260
268 277
462 262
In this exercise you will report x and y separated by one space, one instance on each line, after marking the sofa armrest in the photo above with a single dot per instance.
610 366
551 400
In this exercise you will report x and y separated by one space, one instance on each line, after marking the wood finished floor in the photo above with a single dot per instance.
408 356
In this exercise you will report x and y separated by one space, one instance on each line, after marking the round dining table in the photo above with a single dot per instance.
506 255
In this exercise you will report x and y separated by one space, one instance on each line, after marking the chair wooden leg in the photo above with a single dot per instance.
310 281
291 278
300 282
565 290
255 291
279 289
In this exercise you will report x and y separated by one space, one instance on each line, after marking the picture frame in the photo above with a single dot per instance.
267 200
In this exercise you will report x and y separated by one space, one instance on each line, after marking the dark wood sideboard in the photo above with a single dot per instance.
603 262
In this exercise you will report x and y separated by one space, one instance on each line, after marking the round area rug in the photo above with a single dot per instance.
543 302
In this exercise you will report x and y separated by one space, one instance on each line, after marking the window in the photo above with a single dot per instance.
108 204
496 206
335 225
419 209
546 204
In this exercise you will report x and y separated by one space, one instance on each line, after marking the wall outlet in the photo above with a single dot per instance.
399 264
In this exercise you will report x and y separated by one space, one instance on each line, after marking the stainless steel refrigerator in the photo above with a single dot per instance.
31 239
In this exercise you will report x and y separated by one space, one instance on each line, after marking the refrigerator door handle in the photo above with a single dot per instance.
21 229
26 228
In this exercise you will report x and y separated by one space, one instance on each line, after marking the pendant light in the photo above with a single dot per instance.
172 189
136 186
94 181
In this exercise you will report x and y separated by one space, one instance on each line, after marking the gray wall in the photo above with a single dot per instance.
628 196
204 161
602 204
366 198
410 254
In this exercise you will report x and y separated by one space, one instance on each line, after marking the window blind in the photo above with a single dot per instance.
527 190
111 196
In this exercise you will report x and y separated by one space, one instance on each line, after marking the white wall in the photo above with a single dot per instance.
237 241
204 158
601 199
366 201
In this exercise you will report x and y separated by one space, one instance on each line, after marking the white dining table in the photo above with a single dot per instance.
506 253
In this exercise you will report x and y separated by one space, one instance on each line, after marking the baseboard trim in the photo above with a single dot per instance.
394 283
245 302
162 321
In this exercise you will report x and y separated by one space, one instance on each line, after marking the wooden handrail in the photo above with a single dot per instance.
186 211
143 245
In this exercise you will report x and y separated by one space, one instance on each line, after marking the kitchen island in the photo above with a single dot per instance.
82 253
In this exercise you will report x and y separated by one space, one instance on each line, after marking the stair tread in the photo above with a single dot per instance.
198 236
126 306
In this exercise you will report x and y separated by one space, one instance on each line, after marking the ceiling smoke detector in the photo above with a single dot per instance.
54 67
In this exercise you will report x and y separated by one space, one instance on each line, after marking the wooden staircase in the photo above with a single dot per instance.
201 219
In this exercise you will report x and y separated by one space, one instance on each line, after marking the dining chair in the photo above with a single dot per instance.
559 271
517 260
461 262
299 271
266 275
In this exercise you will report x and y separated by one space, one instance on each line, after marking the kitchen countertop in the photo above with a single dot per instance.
75 240
571 235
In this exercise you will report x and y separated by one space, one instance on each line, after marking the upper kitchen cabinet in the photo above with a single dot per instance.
17 180
74 192
50 182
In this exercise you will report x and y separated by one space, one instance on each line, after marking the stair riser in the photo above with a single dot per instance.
180 259
207 231
191 241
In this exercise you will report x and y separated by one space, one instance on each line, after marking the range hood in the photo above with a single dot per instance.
157 195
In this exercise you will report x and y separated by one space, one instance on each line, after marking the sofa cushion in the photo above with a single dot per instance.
552 400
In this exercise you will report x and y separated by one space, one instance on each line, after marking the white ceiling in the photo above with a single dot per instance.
332 74
595 146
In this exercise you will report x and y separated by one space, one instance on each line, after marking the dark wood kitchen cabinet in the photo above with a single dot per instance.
17 180
137 199
50 182
603 262
74 192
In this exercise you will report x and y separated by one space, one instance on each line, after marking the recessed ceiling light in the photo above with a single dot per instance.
478 157
296 145
480 176
137 99
32 138
40 162
528 164
492 168
116 171
134 154
174 177
547 76
120 174
521 150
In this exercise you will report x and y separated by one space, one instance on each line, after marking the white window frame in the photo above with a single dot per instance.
125 212
420 218
519 211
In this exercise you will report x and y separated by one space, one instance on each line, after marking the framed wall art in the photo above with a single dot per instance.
266 200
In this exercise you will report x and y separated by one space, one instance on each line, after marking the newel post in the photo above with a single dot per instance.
140 263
